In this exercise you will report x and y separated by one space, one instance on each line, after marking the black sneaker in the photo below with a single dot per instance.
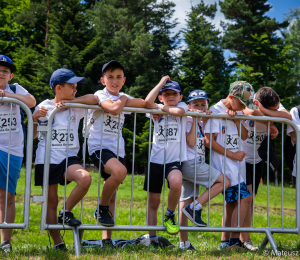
154 244
191 248
105 216
61 247
6 246
69 219
107 243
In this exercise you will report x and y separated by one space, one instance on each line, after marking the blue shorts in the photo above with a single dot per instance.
15 164
232 193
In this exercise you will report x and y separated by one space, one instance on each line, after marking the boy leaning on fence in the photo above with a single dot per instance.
268 104
167 137
112 166
7 68
63 82
197 102
227 134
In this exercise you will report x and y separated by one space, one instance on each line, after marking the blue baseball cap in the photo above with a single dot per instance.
173 85
7 62
65 75
113 63
197 94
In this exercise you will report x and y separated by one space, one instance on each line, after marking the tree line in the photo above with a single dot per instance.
43 35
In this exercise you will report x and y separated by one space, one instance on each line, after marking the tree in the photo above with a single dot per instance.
251 35
202 64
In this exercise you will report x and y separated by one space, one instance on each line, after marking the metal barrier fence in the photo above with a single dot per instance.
6 126
78 231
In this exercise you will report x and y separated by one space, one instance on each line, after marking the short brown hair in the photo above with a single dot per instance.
54 88
267 97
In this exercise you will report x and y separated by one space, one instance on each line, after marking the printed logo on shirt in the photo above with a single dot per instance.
223 129
251 123
71 119
199 135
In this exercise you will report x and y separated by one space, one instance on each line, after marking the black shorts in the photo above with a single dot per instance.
156 175
56 172
259 168
106 155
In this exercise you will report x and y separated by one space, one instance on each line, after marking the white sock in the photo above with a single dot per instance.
62 211
187 244
60 244
181 244
197 207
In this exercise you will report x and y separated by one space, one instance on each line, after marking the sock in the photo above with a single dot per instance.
62 211
154 238
59 244
197 207
181 244
187 244
169 212
233 241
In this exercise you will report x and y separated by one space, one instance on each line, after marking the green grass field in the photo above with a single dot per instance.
34 243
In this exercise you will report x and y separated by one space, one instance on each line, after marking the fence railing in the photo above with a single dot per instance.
8 121
78 231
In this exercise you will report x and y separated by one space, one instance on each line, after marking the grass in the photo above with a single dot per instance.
35 244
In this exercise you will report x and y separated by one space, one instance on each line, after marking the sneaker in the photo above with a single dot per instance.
6 246
69 219
191 248
248 245
189 213
171 225
61 247
154 244
237 244
223 245
107 243
105 216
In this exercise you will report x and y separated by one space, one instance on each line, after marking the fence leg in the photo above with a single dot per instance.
76 241
264 243
80 235
269 238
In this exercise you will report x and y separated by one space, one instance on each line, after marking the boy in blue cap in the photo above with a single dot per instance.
197 102
7 68
169 94
64 84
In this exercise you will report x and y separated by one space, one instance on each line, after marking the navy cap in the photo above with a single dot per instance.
65 75
7 62
112 62
197 94
173 85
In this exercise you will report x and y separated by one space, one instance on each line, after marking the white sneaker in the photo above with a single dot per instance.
248 245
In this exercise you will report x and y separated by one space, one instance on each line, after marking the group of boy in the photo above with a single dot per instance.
178 144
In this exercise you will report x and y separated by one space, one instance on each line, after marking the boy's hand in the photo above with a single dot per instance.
42 112
259 105
164 80
273 131
62 103
238 156
156 117
231 113
160 106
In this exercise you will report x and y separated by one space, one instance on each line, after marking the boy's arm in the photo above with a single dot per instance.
244 131
274 113
238 156
172 110
190 136
42 112
149 100
114 107
28 99
135 102
293 137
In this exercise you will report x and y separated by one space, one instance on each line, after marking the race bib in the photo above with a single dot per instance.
200 147
5 123
258 138
60 137
172 132
111 124
232 142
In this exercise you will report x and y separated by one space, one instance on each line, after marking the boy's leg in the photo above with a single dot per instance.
106 234
52 212
154 201
83 180
229 208
244 236
10 214
175 182
183 220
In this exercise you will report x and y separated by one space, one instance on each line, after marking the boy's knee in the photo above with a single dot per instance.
119 173
176 184
154 203
85 181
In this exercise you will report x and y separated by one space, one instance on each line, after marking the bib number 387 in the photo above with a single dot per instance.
171 133
60 137
7 121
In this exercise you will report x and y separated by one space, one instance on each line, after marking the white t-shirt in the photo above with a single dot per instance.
174 134
232 143
296 121
248 144
59 135
200 146
110 127
17 135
